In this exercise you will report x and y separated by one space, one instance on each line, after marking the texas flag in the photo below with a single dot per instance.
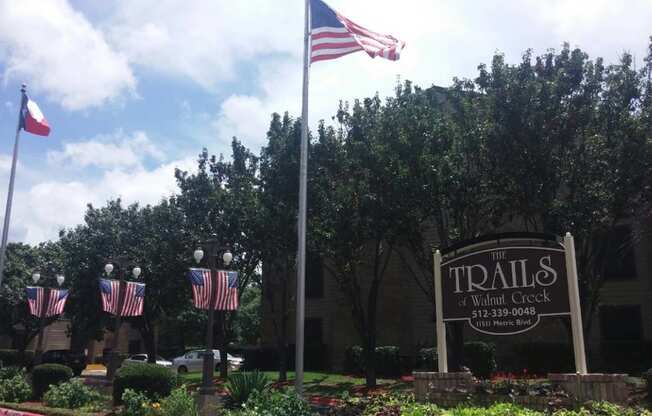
32 119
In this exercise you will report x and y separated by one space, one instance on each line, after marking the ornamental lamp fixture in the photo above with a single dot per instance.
36 277
60 279
198 255
227 257
108 269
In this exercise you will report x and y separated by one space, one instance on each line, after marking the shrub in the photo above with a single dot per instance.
427 359
480 357
274 404
388 361
10 372
152 380
45 375
179 403
15 389
71 395
354 360
135 404
241 385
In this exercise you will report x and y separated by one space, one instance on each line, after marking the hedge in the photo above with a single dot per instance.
154 381
16 358
316 358
45 375
480 357
388 361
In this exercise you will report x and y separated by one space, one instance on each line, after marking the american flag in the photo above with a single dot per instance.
226 291
333 35
134 299
110 290
56 302
35 296
201 287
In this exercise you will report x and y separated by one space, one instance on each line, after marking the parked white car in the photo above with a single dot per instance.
142 358
194 361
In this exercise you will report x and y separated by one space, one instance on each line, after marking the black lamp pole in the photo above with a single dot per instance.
213 249
114 356
38 353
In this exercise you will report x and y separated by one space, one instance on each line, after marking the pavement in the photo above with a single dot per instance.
93 370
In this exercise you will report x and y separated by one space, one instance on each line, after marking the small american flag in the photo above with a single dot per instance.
134 299
201 287
226 296
35 296
333 35
56 302
110 291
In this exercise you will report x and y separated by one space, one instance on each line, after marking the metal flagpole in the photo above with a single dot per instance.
301 222
442 353
10 193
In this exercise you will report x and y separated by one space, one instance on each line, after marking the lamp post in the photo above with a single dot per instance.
38 354
213 248
114 357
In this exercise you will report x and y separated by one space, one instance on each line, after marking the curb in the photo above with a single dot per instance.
10 412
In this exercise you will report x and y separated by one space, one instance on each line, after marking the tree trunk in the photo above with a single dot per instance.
282 361
370 361
283 333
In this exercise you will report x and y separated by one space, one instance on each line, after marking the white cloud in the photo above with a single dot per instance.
202 40
107 151
42 209
244 117
57 50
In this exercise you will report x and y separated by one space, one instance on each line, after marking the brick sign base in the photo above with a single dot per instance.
596 387
451 389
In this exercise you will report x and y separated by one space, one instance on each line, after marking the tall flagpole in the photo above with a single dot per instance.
10 193
301 222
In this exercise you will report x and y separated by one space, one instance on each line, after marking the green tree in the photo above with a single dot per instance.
279 167
22 261
222 199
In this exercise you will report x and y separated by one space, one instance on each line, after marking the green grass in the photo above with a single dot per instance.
323 384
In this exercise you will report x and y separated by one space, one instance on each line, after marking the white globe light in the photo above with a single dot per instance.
108 268
60 279
198 255
136 271
36 277
227 257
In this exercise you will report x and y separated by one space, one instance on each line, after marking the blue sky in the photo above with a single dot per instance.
133 89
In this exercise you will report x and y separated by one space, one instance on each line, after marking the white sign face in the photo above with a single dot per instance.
505 290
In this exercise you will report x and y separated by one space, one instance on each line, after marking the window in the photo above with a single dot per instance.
314 277
621 323
313 331
621 262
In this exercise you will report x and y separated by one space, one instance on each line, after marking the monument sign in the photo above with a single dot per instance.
506 289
